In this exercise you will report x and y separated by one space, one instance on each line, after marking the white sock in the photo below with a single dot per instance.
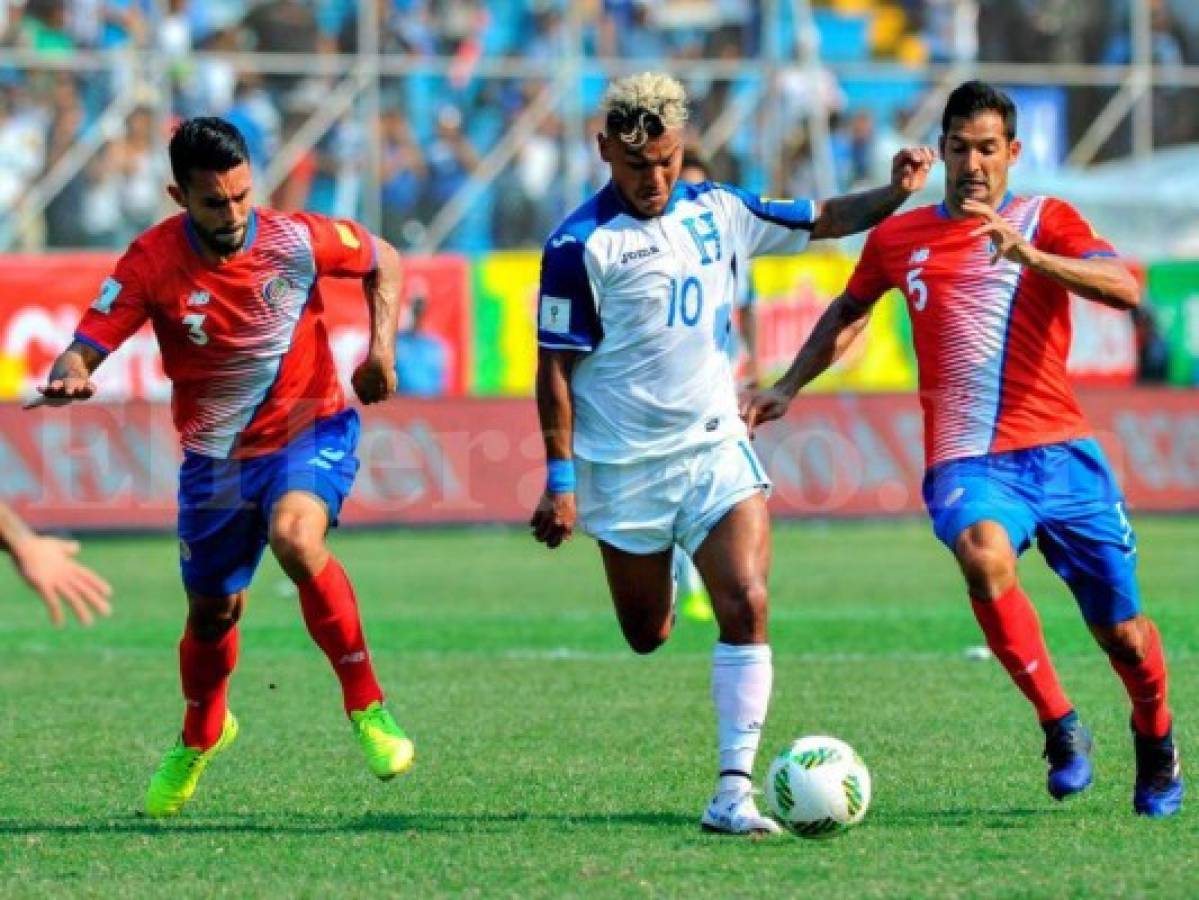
741 679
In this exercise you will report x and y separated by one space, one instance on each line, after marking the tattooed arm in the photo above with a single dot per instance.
851 213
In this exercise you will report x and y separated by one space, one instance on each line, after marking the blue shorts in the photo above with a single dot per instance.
1063 494
225 504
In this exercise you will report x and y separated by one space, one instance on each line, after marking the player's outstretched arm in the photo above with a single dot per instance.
851 213
1099 278
47 566
554 519
837 328
70 377
375 378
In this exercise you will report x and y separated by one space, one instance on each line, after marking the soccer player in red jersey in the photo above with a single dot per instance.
987 277
234 294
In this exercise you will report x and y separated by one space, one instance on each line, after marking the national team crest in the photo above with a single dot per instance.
276 290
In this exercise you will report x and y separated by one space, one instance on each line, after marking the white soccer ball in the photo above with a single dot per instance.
818 787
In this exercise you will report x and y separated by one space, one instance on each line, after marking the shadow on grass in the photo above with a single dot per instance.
283 823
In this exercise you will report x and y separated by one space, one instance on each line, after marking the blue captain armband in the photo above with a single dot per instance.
561 476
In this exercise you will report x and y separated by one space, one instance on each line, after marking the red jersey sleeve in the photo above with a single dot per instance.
342 248
121 307
869 280
1064 232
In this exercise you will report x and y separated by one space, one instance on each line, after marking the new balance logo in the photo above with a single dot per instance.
563 240
198 298
643 253
357 657
919 256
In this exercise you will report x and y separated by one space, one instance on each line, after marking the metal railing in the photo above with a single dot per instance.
357 88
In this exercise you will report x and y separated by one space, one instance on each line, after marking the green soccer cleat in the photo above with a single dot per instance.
387 749
179 772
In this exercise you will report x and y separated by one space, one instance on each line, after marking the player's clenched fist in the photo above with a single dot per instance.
374 380
764 406
910 168
554 519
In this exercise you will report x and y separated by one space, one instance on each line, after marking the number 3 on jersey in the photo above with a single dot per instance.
195 328
917 290
686 302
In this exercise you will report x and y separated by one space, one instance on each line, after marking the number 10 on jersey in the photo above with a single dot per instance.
686 301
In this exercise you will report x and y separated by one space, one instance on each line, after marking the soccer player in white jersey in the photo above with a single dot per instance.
644 444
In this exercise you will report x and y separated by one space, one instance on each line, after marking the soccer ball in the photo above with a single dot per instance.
818 787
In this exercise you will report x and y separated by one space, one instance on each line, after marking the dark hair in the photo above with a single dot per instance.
974 97
208 144
693 159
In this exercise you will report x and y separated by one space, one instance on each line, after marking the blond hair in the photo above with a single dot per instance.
636 107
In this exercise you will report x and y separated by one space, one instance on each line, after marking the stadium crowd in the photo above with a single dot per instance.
435 129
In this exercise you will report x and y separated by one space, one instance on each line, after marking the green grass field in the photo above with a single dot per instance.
553 762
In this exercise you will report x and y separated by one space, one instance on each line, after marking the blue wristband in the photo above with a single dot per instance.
561 476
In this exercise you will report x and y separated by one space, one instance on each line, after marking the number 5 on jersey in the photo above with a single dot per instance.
195 328
917 290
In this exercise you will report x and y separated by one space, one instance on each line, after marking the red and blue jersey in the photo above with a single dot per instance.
242 341
991 340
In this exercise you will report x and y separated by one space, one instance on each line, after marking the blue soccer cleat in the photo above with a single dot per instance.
1068 751
1158 789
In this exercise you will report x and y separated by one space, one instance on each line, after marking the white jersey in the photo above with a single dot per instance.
649 303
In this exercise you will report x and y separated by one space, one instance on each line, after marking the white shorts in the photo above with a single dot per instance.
645 507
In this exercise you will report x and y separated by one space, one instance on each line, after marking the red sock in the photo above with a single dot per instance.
1146 685
1013 633
331 614
204 668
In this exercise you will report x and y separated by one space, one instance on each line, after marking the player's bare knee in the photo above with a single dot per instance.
210 618
646 626
742 609
646 640
297 543
1124 642
990 571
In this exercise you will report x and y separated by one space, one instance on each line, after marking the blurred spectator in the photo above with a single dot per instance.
44 28
951 30
210 88
10 20
100 198
628 30
761 141
256 117
142 174
292 193
1153 351
422 358
1173 120
174 34
1055 31
22 153
64 213
283 26
402 178
337 182
1166 41
123 23
451 159
527 205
